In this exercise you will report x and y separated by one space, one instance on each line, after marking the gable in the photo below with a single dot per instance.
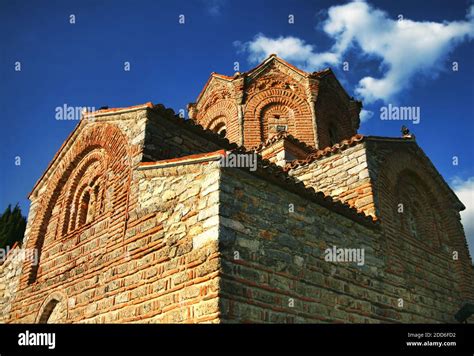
391 157
216 88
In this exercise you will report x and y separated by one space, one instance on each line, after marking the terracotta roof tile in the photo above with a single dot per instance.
270 171
222 76
344 144
188 158
283 135
318 74
296 69
103 111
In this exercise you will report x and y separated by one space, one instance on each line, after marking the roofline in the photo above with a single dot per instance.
358 139
112 111
213 75
189 159
86 115
283 135
270 171
318 154
265 169
438 177
318 74
282 61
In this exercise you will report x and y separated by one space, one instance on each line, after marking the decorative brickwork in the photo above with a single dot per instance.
281 276
137 255
274 97
424 233
136 220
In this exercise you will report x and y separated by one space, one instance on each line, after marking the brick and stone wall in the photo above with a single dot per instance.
10 271
135 221
184 240
410 194
136 256
274 268
343 175
273 96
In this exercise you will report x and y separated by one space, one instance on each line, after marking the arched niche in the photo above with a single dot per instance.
97 142
54 309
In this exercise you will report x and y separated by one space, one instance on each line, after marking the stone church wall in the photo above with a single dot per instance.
132 262
10 270
183 240
274 267
435 263
343 175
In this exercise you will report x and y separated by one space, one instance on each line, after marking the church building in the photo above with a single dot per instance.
137 219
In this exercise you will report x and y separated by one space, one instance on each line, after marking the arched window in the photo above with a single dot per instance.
83 208
49 310
274 118
53 310
88 205
411 223
417 217
85 199
218 126
220 129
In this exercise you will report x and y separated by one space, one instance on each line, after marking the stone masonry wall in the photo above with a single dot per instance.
343 175
436 259
185 241
171 274
10 271
165 139
274 268
132 262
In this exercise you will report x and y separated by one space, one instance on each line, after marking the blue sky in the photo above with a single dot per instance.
82 64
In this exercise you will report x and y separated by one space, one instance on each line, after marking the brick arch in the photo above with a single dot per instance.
404 253
302 127
88 186
217 123
403 167
267 118
418 201
226 111
93 137
96 156
403 163
56 301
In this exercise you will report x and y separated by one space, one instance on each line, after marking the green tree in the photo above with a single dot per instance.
12 226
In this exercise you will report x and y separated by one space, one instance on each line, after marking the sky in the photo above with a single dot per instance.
412 54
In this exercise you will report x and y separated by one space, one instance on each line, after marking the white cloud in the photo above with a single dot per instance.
405 48
365 115
464 189
290 48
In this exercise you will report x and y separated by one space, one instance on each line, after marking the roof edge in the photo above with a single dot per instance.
269 171
86 116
